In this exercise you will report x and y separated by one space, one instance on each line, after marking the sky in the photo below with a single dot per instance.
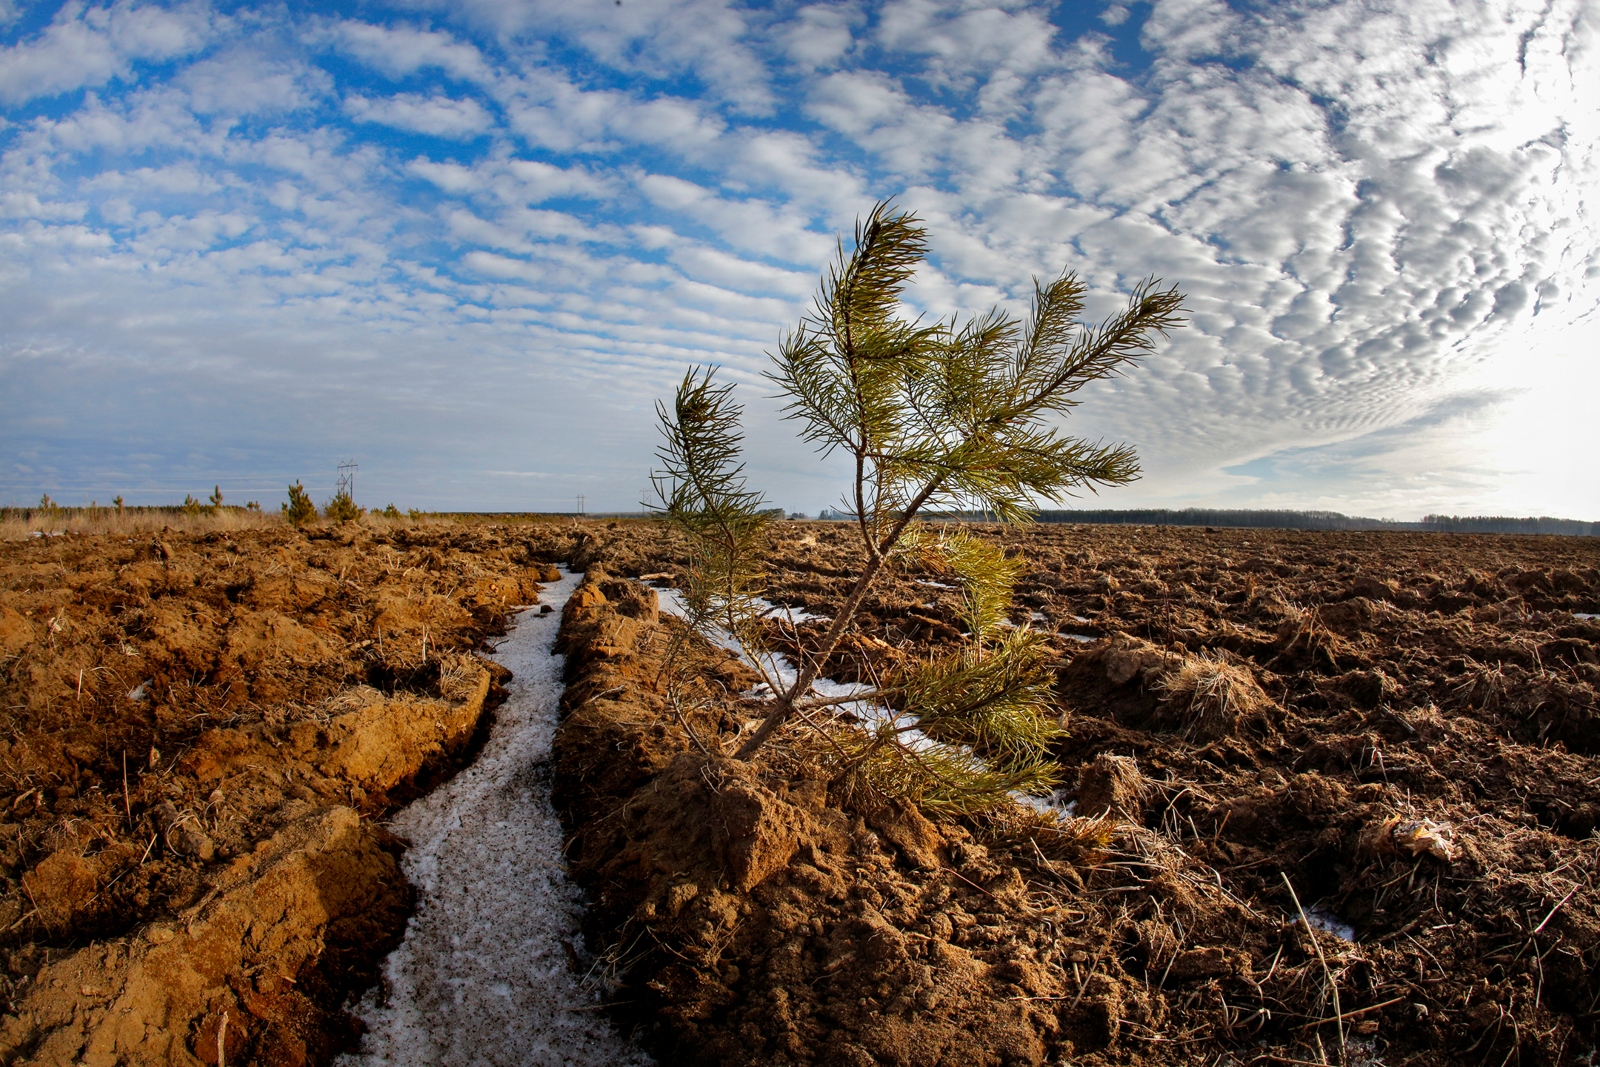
469 245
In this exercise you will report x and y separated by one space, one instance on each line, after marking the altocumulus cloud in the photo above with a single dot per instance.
469 244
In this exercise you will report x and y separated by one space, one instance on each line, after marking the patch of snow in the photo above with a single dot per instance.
1039 616
1584 615
483 976
933 584
140 691
795 615
1082 639
1080 618
1054 804
781 670
1325 920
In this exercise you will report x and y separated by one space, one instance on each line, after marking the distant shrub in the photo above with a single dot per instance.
216 500
191 506
299 510
391 512
341 508
413 514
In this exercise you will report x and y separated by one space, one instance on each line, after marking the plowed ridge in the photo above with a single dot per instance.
483 975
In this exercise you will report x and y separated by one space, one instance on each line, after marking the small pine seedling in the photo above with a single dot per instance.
935 415
299 510
341 508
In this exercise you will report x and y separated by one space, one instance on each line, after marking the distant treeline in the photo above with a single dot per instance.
1300 520
1544 524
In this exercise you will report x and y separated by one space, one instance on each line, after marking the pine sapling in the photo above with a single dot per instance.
342 508
299 510
941 415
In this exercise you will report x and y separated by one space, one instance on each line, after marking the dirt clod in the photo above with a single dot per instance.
1112 785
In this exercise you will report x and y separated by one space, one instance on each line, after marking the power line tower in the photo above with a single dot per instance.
347 479
581 512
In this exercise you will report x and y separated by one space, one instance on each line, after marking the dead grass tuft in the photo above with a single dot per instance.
1302 635
1213 693
1112 786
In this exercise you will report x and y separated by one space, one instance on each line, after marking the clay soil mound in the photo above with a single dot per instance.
1336 801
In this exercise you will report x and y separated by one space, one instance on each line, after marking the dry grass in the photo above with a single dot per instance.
1302 634
18 524
1213 693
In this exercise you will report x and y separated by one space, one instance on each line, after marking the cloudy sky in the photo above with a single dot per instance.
469 244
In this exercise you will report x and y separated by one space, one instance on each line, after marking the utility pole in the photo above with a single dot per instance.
581 512
347 478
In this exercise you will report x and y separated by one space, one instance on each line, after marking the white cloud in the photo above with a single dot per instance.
242 81
966 41
656 38
399 51
437 116
732 272
821 34
513 181
856 103
549 111
752 225
88 46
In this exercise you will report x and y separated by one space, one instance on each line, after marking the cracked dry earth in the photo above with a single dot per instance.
1333 795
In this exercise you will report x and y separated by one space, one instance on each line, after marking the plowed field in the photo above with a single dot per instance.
1333 795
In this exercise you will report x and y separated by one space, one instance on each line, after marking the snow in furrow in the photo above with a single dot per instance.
872 715
484 973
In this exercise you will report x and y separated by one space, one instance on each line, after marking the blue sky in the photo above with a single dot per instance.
468 245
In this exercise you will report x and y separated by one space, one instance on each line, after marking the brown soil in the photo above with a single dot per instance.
1402 728
201 730
1271 732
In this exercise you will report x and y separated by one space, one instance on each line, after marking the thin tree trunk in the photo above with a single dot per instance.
783 708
